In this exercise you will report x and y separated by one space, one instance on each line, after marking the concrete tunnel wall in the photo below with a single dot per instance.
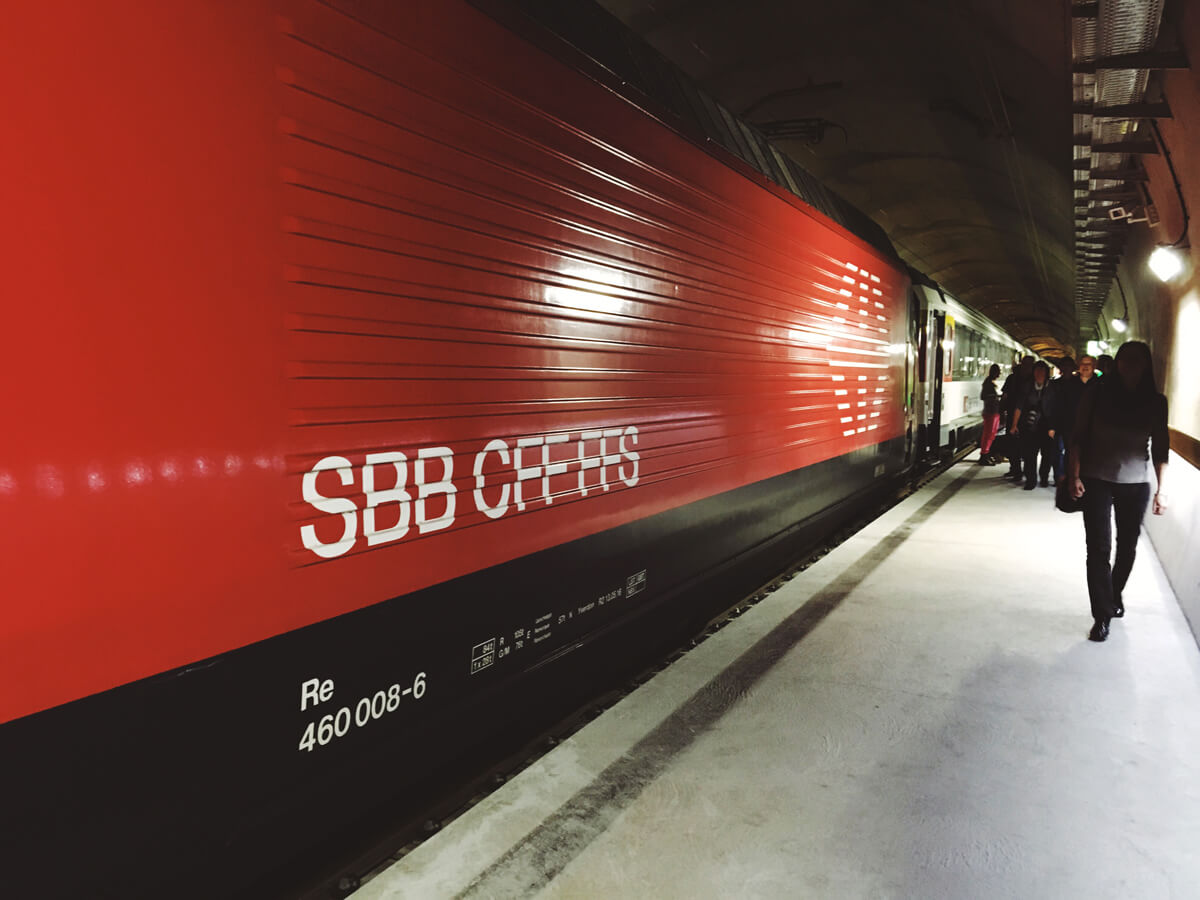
1167 315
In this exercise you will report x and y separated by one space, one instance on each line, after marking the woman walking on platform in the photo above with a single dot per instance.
990 395
1109 468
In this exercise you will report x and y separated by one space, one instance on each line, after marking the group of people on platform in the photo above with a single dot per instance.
1038 415
1098 428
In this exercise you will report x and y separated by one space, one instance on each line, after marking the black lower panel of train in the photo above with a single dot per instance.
405 702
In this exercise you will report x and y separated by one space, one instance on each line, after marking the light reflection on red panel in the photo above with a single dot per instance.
417 233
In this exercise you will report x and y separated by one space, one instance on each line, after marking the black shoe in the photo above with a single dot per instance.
1045 482
1030 485
1012 473
1118 610
1099 631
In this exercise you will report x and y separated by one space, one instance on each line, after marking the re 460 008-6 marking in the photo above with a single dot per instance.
366 709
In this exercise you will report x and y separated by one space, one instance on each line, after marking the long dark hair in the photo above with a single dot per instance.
1147 387
993 372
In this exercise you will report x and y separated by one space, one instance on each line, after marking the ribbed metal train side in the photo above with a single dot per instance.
493 385
482 256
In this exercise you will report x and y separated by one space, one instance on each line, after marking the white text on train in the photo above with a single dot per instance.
598 459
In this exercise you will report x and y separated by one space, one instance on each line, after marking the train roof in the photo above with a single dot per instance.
673 97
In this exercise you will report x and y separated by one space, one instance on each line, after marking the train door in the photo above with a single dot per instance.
914 380
924 397
937 339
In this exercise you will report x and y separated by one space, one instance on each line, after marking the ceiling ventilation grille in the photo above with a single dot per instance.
1110 135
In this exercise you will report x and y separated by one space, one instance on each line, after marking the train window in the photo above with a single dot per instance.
699 112
773 169
785 174
755 141
813 192
660 78
996 354
739 140
720 128
674 90
973 355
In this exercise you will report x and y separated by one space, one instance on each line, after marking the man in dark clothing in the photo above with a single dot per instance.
1015 386
1070 392
1034 421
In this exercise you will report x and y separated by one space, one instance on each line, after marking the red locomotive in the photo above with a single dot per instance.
381 378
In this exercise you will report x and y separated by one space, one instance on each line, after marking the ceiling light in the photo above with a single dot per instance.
1120 325
1165 263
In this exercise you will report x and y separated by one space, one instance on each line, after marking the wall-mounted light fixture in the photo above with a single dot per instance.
1121 323
1165 262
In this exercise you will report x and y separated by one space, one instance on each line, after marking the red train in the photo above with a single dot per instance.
384 379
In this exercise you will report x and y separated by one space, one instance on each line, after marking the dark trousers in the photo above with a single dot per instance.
1011 445
1101 500
1032 444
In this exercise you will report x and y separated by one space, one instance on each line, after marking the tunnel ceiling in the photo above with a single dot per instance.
947 121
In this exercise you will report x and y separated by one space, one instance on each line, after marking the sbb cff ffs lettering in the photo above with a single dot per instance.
506 475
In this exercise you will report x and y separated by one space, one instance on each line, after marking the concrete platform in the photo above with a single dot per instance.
918 715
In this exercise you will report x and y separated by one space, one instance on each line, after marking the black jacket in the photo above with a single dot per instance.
1070 392
1044 402
1119 433
990 395
1014 387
